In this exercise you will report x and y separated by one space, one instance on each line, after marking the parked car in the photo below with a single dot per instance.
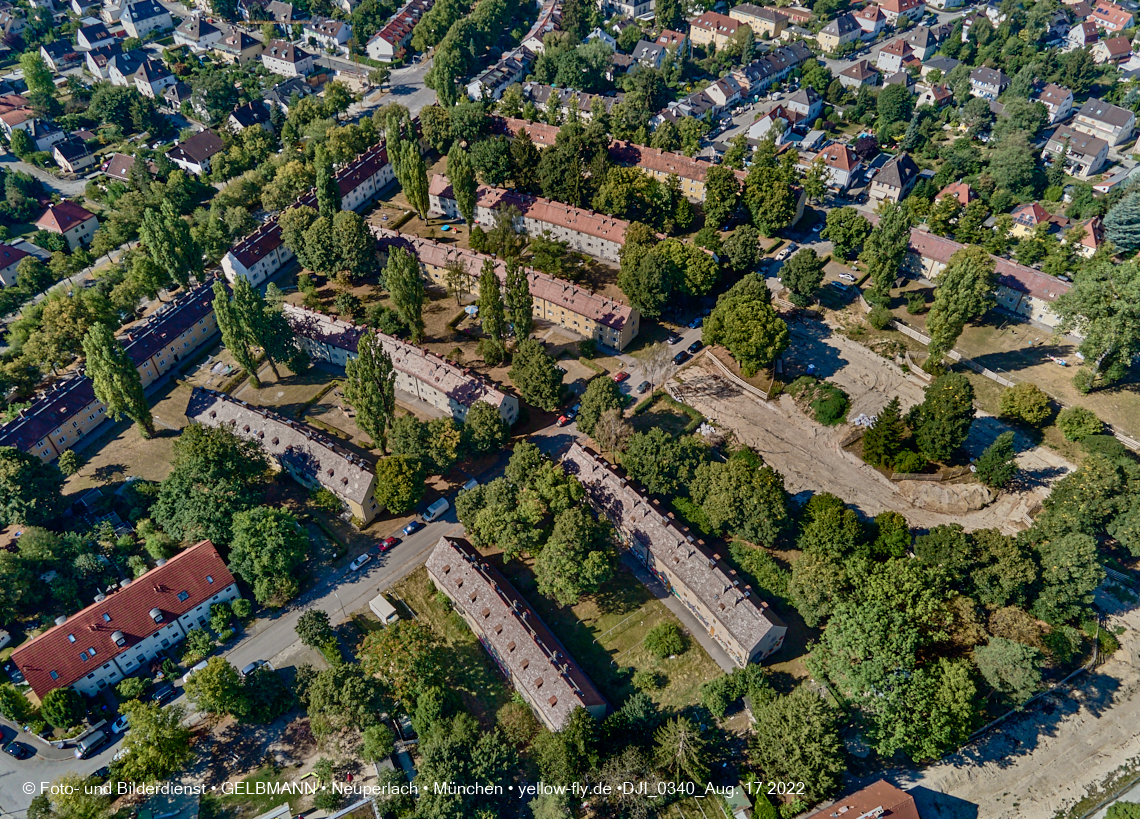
89 744
563 420
695 347
386 544
193 671
360 562
847 277
642 387
18 750
674 338
256 664
119 725
620 377
681 357
413 527
164 693
697 322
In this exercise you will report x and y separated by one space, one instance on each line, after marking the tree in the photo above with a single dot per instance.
742 249
997 465
407 658
484 430
370 388
942 421
462 178
747 325
883 251
769 199
62 708
168 241
577 557
235 335
722 190
328 192
882 441
895 104
30 490
796 739
611 430
1070 572
412 174
668 14
406 286
1122 222
533 373
1026 403
444 442
664 640
816 179
1123 810
662 463
314 629
601 394
355 244
1104 305
115 378
965 291
379 742
519 303
742 496
340 697
492 313
157 746
267 548
1011 668
803 274
215 689
40 82
1078 423
681 750
32 275
399 483
72 797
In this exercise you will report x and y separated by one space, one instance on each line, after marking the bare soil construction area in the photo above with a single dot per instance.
810 456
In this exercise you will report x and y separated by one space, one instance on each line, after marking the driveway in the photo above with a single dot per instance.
405 86
64 187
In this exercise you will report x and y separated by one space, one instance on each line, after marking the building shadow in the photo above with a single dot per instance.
935 805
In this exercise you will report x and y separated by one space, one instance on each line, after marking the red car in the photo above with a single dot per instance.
386 544
620 377
563 420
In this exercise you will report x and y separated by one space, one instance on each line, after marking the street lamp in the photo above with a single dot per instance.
343 616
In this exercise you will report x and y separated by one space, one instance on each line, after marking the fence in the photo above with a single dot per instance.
916 476
756 392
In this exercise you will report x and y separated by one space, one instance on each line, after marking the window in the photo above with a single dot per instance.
83 656
91 652
106 618
54 675
71 638
183 596
91 676
165 643
209 579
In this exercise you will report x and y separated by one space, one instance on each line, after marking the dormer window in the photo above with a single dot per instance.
156 615
71 638
183 596
119 638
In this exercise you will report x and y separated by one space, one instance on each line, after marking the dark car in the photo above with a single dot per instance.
695 347
681 357
674 338
413 527
642 387
102 773
19 750
164 693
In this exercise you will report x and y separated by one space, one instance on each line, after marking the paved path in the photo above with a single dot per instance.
64 187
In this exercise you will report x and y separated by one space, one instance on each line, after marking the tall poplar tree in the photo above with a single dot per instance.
414 179
520 304
328 192
462 178
264 325
406 286
491 311
370 388
883 251
234 335
965 292
116 378
168 242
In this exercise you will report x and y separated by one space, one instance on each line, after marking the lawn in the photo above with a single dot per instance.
250 803
662 413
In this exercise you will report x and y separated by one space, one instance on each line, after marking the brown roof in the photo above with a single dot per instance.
960 191
1010 274
881 799
63 217
859 71
198 148
717 23
838 155
63 651
287 52
10 255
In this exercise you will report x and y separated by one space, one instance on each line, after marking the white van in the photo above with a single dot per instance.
89 744
190 673
383 609
471 484
436 510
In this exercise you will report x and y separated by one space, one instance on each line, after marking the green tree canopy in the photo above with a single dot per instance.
30 490
942 421
577 557
746 324
115 378
965 292
266 551
370 388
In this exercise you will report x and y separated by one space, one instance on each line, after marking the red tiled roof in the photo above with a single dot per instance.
717 23
901 6
63 217
129 610
960 191
1030 214
839 156
894 804
1010 274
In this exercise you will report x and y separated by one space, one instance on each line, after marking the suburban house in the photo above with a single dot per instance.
1083 34
328 32
60 55
894 9
988 82
839 32
93 36
429 378
99 59
121 632
119 166
923 42
725 92
69 410
286 59
743 625
604 36
842 163
1110 122
960 191
122 67
194 155
805 103
249 115
152 78
858 74
939 63
197 32
610 323
878 799
1111 17
15 115
236 46
1092 237
10 258
141 18
1027 217
1058 101
892 56
675 41
763 21
935 96
1116 50
1084 154
72 154
626 8
713 27
388 43
585 231
777 121
895 179
871 19
73 222
527 653
175 95
648 55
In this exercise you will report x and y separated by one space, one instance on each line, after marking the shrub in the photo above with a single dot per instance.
69 462
830 405
137 565
588 348
131 688
325 500
478 239
1104 445
1064 644
1083 380
62 707
915 303
386 320
225 635
879 317
646 680
1026 403
1078 423
197 645
664 639
242 608
347 305
909 462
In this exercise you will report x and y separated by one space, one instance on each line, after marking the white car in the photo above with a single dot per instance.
783 254
359 562
847 277
191 672
119 725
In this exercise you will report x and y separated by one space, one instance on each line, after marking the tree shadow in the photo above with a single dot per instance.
810 347
935 805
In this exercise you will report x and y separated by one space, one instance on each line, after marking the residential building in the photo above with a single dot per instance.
60 55
935 95
1058 101
777 121
73 222
725 92
121 632
894 9
556 301
118 167
764 22
585 231
900 78
878 799
528 654
843 165
839 32
491 84
1081 152
626 8
286 59
1027 217
99 59
312 458
420 374
197 32
1115 50
648 55
15 114
152 78
1092 237
939 63
946 5
540 94
960 191
249 115
328 32
238 47
988 82
797 15
922 40
895 179
72 155
122 67
871 19
141 18
194 155
1110 122
10 258
713 27
858 74
892 56
68 411
1111 17
1082 35
93 36
805 103
45 135
604 36
743 625
175 95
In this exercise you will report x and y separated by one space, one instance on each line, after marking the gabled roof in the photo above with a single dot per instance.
839 156
62 217
235 42
1100 111
195 28
1092 234
1051 95
994 77
1117 47
897 48
197 148
286 52
901 6
252 113
119 167
177 93
1030 214
899 172
805 96
10 255
942 63
843 24
93 32
72 149
1112 14
880 799
960 191
1078 142
716 23
152 71
144 10
123 619
871 13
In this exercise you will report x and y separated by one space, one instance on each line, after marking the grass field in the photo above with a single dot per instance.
251 804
